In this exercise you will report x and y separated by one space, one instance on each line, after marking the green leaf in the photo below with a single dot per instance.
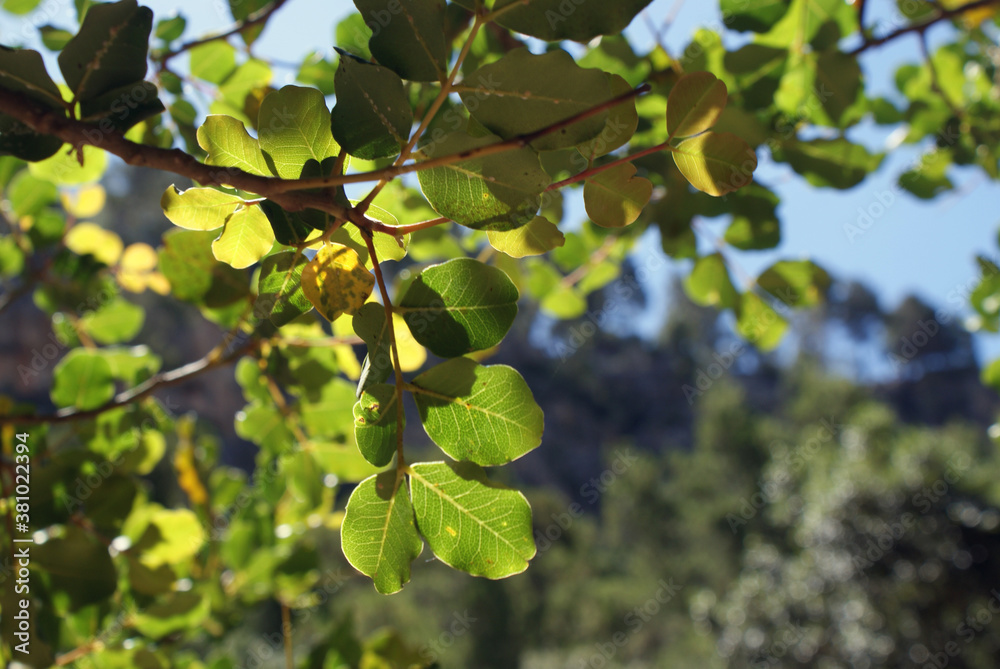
694 104
336 281
229 145
387 247
186 260
408 37
23 71
522 93
65 170
378 536
121 108
213 61
758 323
836 163
614 198
352 34
172 537
117 321
755 222
280 298
370 324
198 208
265 426
470 522
83 380
498 192
171 28
756 15
180 611
801 23
621 124
556 20
483 414
133 364
797 283
246 239
109 51
459 306
372 117
376 424
290 228
709 284
77 564
839 82
716 163
20 7
537 237
293 128
243 10
28 194
319 72
929 177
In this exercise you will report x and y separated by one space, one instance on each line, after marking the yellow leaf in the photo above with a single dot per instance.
974 17
336 281
91 238
187 475
412 355
246 238
347 361
84 202
136 267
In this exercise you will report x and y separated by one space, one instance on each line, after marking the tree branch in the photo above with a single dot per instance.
210 361
940 15
77 133
258 17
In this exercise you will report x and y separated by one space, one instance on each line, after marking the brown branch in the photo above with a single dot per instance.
940 15
517 142
258 17
48 122
209 362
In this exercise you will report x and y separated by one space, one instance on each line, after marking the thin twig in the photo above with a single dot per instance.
258 17
210 361
940 15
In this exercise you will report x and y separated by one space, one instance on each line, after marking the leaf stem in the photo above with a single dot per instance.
397 368
940 15
446 88
258 17
593 171
208 362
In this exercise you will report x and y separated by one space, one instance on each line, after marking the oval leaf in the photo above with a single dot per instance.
372 117
246 239
280 298
614 198
470 522
498 192
293 128
198 208
336 281
376 424
83 380
716 163
483 414
459 306
537 237
694 104
378 535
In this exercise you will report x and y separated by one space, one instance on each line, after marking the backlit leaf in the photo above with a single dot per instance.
246 238
614 198
709 283
537 237
376 424
378 536
408 37
498 192
229 145
83 380
280 297
695 103
336 281
483 414
459 306
470 522
198 208
716 163
294 127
